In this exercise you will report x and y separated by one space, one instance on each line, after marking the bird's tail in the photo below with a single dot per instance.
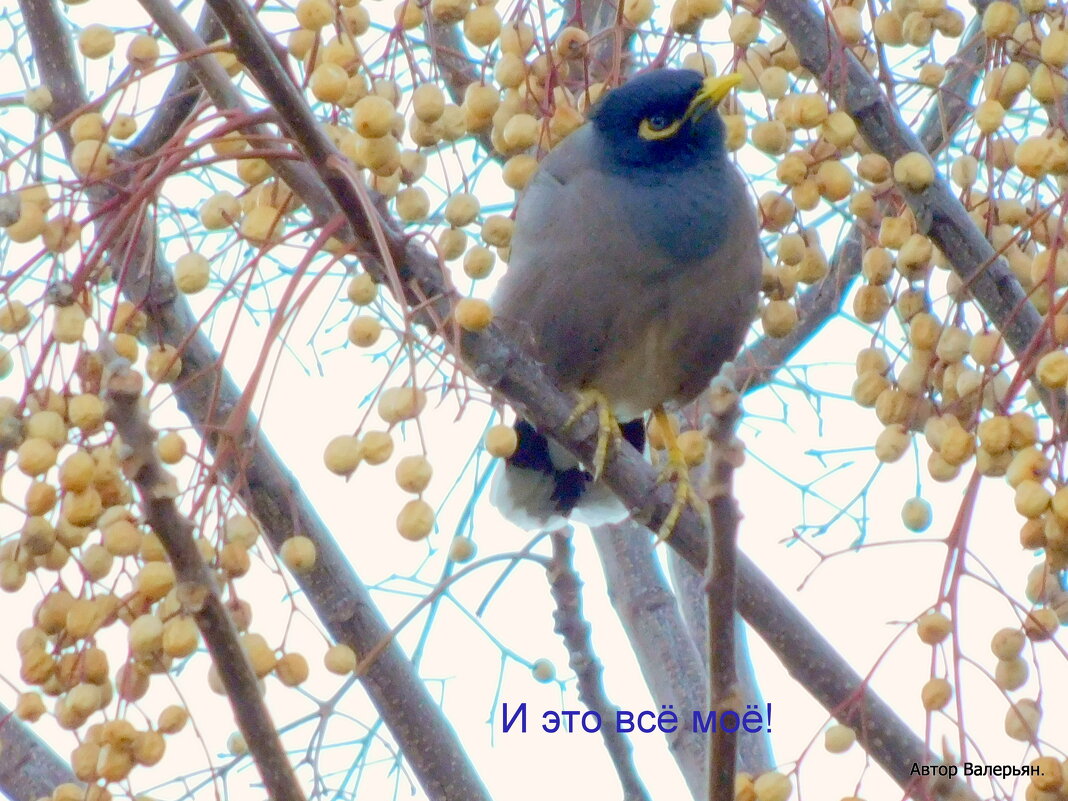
541 484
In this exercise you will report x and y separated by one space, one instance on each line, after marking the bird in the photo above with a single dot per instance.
634 274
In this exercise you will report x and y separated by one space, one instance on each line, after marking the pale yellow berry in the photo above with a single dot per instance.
221 210
1041 624
298 553
68 326
145 635
413 473
543 670
501 441
1000 19
771 137
413 204
986 348
461 209
933 628
291 669
29 225
96 41
262 225
892 443
916 514
377 447
1007 643
163 364
1031 498
478 262
14 316
965 171
497 230
636 12
343 454
849 24
989 115
362 289
89 125
180 637
340 659
1011 674
935 694
914 171
143 52
364 331
772 786
834 180
1023 718
1052 369
401 403
372 116
462 549
416 519
329 82
871 303
838 738
315 14
38 99
473 314
93 159
122 127
518 171
482 25
191 273
171 447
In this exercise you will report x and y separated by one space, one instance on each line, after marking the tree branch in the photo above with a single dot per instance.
575 631
723 691
198 590
29 768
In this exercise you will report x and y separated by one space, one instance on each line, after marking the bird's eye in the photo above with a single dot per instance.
658 122
659 126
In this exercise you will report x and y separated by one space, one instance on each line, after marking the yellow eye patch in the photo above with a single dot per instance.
651 132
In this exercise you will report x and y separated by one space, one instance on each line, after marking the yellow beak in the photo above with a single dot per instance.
714 89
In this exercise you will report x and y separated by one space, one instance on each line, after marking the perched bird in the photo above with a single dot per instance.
633 276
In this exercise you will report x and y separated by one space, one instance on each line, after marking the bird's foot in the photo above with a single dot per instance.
677 470
607 426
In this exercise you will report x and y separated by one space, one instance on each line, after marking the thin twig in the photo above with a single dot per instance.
723 694
566 588
197 587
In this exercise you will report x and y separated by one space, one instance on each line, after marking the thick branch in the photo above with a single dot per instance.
575 631
29 768
666 655
197 587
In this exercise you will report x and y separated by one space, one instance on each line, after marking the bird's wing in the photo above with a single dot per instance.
560 294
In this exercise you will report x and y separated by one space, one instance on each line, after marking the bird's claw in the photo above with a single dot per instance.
607 426
678 471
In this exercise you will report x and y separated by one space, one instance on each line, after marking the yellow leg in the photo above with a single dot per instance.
607 426
678 471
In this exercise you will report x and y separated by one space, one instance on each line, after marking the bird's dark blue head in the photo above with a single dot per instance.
660 118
